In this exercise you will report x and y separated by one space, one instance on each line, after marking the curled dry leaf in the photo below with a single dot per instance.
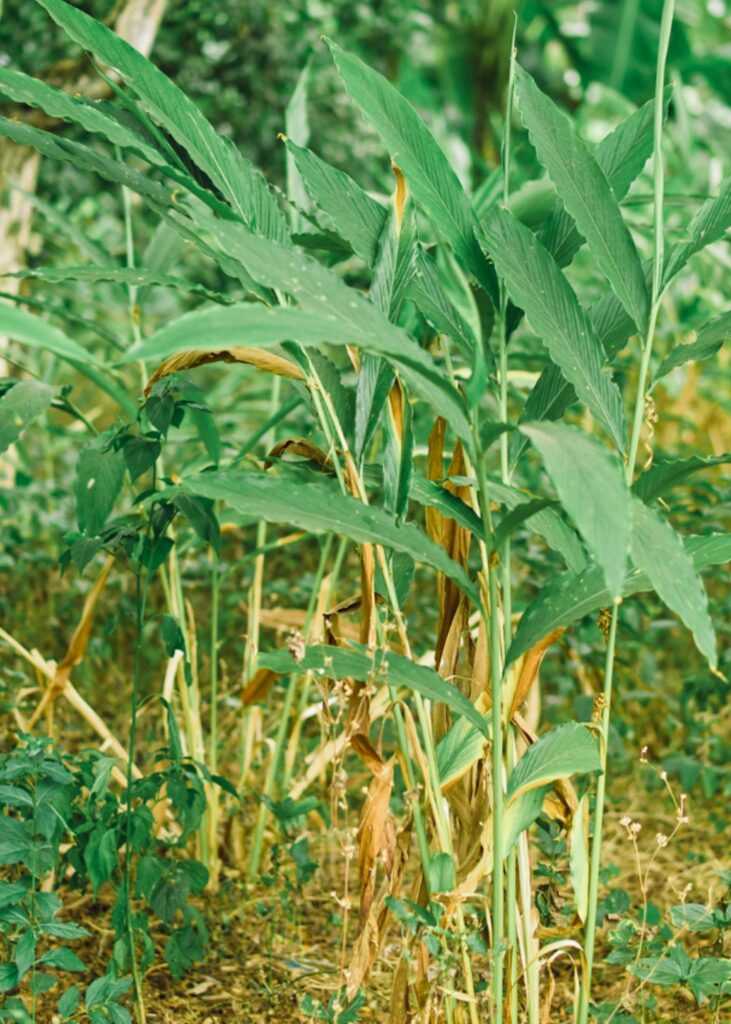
526 670
297 446
376 835
261 358
258 687
401 195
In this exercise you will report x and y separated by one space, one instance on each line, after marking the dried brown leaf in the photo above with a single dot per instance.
297 446
261 358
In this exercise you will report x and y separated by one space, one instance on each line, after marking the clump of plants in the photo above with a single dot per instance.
395 328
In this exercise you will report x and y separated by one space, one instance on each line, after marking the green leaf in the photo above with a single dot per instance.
15 840
375 381
172 635
68 1003
709 224
537 285
328 311
297 127
64 959
662 476
202 517
347 209
570 749
24 402
658 552
516 517
571 596
25 953
579 857
8 977
590 483
140 454
395 263
412 147
567 750
621 155
708 975
101 857
312 506
56 103
426 292
546 522
461 746
57 147
99 478
137 276
168 106
709 340
32 330
340 663
586 194
442 875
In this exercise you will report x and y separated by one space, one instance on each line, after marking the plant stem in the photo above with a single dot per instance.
214 799
639 408
284 715
492 625
140 603
506 588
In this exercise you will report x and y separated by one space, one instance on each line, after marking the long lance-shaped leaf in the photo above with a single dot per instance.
569 597
709 224
590 483
537 285
59 104
429 297
318 290
94 118
31 330
380 665
315 507
138 276
546 522
621 155
586 194
658 551
709 340
662 476
413 148
58 148
168 106
246 323
347 208
552 394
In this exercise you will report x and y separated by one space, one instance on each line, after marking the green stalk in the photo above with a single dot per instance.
496 677
282 730
214 805
656 299
511 891
140 604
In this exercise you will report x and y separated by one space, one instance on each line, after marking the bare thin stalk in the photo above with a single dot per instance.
656 299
